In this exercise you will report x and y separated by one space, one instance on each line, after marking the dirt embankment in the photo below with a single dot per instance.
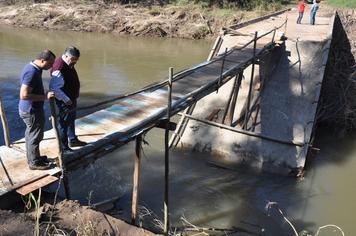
188 21
69 218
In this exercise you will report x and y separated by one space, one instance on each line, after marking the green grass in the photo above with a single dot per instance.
343 3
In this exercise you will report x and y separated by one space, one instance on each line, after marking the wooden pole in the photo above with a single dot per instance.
5 125
233 103
251 82
166 159
216 47
274 34
222 70
136 180
60 150
228 103
255 118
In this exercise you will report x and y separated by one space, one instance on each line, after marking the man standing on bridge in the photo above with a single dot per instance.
301 8
32 97
313 11
65 84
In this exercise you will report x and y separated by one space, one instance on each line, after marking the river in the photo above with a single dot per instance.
203 194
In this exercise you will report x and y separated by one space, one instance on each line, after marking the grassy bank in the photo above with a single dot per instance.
343 3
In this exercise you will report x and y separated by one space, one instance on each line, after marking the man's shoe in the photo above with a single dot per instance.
39 166
77 143
44 159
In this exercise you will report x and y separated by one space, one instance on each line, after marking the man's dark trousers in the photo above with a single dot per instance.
34 121
66 121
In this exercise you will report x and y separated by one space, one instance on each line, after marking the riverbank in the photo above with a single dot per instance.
174 21
67 218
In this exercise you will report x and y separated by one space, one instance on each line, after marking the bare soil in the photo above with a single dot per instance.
69 218
188 21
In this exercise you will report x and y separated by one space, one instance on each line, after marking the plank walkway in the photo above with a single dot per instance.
134 114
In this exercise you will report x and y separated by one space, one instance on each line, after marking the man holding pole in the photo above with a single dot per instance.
65 84
32 97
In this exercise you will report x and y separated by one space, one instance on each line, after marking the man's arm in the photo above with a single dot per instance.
26 94
56 83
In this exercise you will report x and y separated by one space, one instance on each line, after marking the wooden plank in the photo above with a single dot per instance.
26 189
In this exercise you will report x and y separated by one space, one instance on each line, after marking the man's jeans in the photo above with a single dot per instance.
300 17
66 122
34 121
312 18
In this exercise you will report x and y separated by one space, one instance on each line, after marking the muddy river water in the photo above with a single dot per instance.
201 193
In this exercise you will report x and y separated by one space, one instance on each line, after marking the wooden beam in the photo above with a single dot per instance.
26 189
233 129
136 180
165 124
234 99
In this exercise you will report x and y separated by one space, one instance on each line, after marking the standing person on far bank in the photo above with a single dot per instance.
301 8
313 11
32 97
65 84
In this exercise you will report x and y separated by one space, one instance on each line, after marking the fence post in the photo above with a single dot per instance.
5 125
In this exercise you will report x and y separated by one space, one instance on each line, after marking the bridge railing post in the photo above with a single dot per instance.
60 150
166 159
274 34
5 125
251 83
222 70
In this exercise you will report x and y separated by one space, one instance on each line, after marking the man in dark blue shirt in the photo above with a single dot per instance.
32 97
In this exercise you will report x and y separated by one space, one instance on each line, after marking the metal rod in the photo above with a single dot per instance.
251 82
287 142
166 156
136 180
60 149
5 124
234 99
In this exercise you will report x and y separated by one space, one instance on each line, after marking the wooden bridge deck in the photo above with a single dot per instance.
131 115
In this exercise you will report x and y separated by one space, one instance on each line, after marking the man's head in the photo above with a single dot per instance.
45 59
71 55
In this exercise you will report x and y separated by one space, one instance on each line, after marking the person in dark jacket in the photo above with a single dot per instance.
65 84
32 97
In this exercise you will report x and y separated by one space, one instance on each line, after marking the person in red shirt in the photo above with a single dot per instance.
301 8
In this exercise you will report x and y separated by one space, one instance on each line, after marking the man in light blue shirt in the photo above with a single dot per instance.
313 11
